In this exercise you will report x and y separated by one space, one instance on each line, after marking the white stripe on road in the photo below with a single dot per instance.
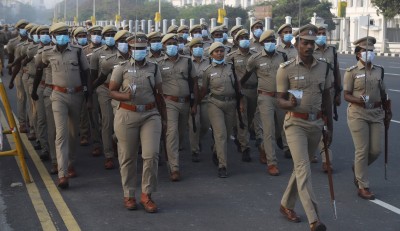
397 67
386 206
396 121
394 90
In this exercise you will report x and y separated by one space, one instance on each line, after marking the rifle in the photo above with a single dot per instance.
238 95
387 106
335 114
330 179
192 98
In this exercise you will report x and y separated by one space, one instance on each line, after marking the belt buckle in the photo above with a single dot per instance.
70 90
181 99
140 108
312 116
369 105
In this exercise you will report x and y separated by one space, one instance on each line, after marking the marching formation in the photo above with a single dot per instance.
133 95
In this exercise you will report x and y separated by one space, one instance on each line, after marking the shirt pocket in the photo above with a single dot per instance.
74 65
298 82
55 64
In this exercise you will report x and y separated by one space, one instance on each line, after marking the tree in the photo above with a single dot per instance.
388 8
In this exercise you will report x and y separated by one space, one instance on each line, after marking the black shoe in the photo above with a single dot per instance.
195 157
288 154
222 173
37 145
44 156
279 143
246 155
215 159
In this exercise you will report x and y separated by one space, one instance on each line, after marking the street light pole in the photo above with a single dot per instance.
65 10
94 8
77 11
119 7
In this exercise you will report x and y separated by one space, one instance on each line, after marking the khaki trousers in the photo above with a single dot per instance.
303 137
84 123
66 110
29 103
41 125
133 129
51 126
202 125
21 99
94 121
107 120
222 119
178 114
249 106
270 116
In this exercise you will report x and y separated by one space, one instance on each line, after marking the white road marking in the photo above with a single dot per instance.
397 67
394 90
396 121
386 206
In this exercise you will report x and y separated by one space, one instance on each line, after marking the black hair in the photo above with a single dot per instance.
356 51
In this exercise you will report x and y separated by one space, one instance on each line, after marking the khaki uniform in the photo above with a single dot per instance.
134 128
65 70
265 68
365 124
256 46
303 135
151 58
21 95
3 41
291 52
249 91
201 119
176 92
221 106
105 102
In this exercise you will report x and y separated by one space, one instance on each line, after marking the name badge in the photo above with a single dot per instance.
115 66
89 54
213 74
165 68
360 76
299 78
239 61
131 71
252 48
263 64
102 56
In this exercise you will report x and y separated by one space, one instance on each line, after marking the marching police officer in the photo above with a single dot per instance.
183 35
233 32
154 41
285 45
306 79
257 29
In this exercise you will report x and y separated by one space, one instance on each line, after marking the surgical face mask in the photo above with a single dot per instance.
197 35
257 32
321 40
287 38
219 40
244 43
139 55
156 46
103 42
123 47
29 36
96 39
225 36
172 50
53 40
367 56
22 32
204 33
185 36
269 47
36 38
82 41
218 61
62 40
45 38
181 46
110 41
198 51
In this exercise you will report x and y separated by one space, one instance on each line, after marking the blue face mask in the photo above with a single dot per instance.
204 33
321 40
221 40
22 32
82 41
103 42
45 38
29 36
245 43
198 35
172 50
225 36
62 39
54 40
155 46
287 38
181 46
123 47
96 39
198 51
36 38
257 33
218 61
110 41
269 47
185 36
139 55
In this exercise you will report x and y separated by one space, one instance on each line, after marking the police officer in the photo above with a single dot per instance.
220 81
206 39
154 41
364 89
3 41
225 37
305 77
101 86
70 71
233 32
183 35
217 34
265 65
173 29
285 43
257 29
200 63
195 32
328 54
137 121
176 71
80 36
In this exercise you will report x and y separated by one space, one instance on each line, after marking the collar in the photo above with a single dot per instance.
201 60
214 64
325 47
264 53
361 66
68 47
132 61
299 61
283 45
167 57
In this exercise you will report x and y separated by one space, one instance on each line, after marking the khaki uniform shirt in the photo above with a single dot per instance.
325 54
291 51
241 60
99 55
127 73
47 70
11 45
31 53
207 44
3 39
219 79
88 50
65 68
255 46
200 68
109 63
293 75
175 75
265 68
150 57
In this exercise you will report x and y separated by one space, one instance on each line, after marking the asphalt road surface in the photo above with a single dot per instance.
248 199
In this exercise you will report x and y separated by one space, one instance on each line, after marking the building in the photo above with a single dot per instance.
233 3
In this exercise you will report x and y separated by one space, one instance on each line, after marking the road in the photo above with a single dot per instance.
248 199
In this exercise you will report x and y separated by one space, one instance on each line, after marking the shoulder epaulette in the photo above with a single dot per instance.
97 49
322 60
110 56
75 46
13 39
351 68
123 62
208 67
285 64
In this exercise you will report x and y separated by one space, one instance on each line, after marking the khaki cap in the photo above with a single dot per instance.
109 28
137 40
241 32
366 43
42 27
29 26
216 29
194 42
214 46
183 27
308 32
155 34
194 27
169 36
95 28
79 30
266 34
21 22
256 22
60 26
284 26
172 28
235 28
321 26
34 28
121 34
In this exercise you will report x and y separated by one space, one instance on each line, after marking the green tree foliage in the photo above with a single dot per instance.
388 8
